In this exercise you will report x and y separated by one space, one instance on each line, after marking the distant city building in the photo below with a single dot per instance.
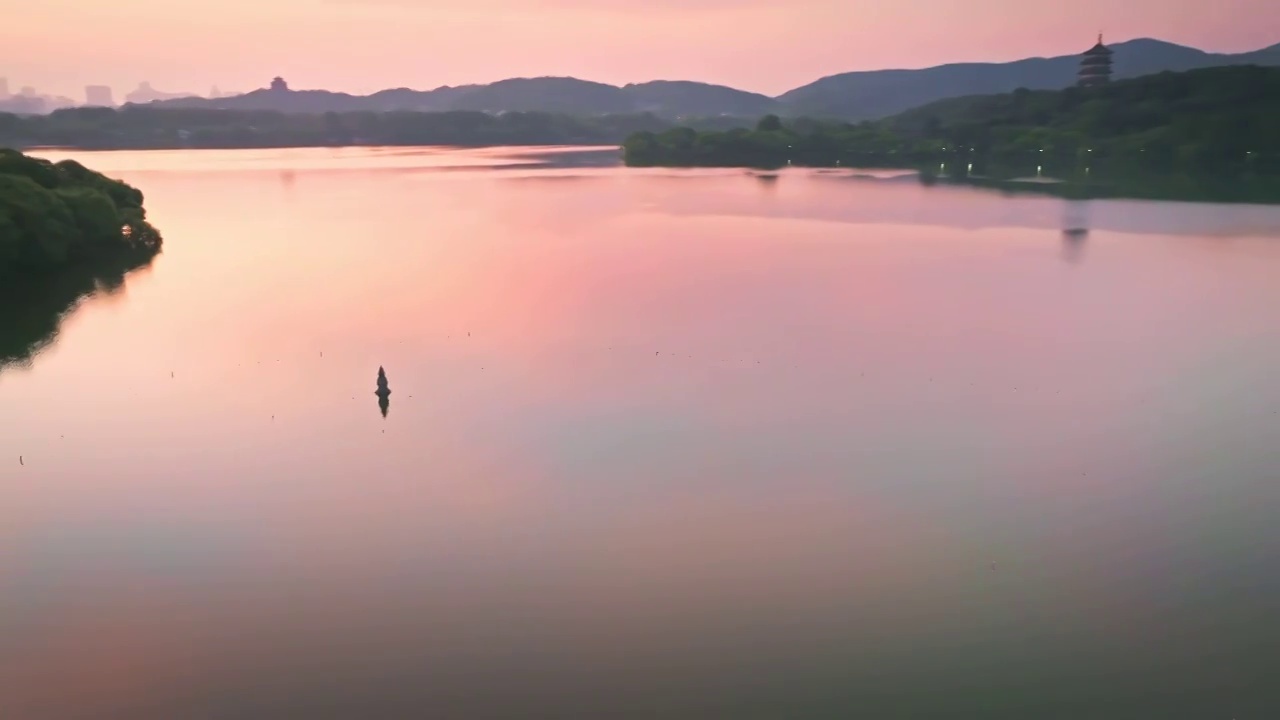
99 96
279 85
146 94
29 101
1095 65
214 93
24 105
18 106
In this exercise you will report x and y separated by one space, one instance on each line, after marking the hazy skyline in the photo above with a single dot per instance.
362 46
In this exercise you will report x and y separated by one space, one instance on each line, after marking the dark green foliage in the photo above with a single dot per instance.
52 216
45 226
1217 120
40 172
94 214
769 123
135 127
772 144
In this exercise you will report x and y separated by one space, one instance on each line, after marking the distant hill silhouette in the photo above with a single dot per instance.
571 96
548 94
672 98
851 96
881 93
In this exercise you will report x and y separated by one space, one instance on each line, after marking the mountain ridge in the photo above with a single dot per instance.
865 95
856 95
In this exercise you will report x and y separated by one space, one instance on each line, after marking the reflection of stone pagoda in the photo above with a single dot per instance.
1095 66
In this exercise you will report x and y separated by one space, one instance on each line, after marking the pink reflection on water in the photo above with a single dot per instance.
635 417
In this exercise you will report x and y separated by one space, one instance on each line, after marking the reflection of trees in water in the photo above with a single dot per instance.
32 308
1075 229
769 181
1073 245
1118 183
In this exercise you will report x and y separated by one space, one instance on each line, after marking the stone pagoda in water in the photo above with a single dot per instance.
1095 66
383 392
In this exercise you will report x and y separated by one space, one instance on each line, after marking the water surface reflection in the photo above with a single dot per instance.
696 446
32 309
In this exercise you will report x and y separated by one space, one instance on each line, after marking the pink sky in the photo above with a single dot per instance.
768 46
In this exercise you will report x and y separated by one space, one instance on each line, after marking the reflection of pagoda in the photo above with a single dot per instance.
1095 65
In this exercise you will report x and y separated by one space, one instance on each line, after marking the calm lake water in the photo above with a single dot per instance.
660 444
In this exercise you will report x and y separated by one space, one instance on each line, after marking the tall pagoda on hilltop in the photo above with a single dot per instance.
1095 65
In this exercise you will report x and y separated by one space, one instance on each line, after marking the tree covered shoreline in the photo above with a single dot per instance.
56 216
1217 120
163 128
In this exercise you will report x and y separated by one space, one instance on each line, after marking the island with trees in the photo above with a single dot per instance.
65 232
1205 122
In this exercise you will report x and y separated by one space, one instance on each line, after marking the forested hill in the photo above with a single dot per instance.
1200 116
1215 119
882 93
554 95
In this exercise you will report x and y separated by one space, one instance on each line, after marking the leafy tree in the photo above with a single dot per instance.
52 216
769 123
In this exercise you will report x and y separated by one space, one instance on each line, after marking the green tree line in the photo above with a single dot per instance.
140 127
63 214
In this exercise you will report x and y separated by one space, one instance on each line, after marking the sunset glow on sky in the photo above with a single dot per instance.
360 46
